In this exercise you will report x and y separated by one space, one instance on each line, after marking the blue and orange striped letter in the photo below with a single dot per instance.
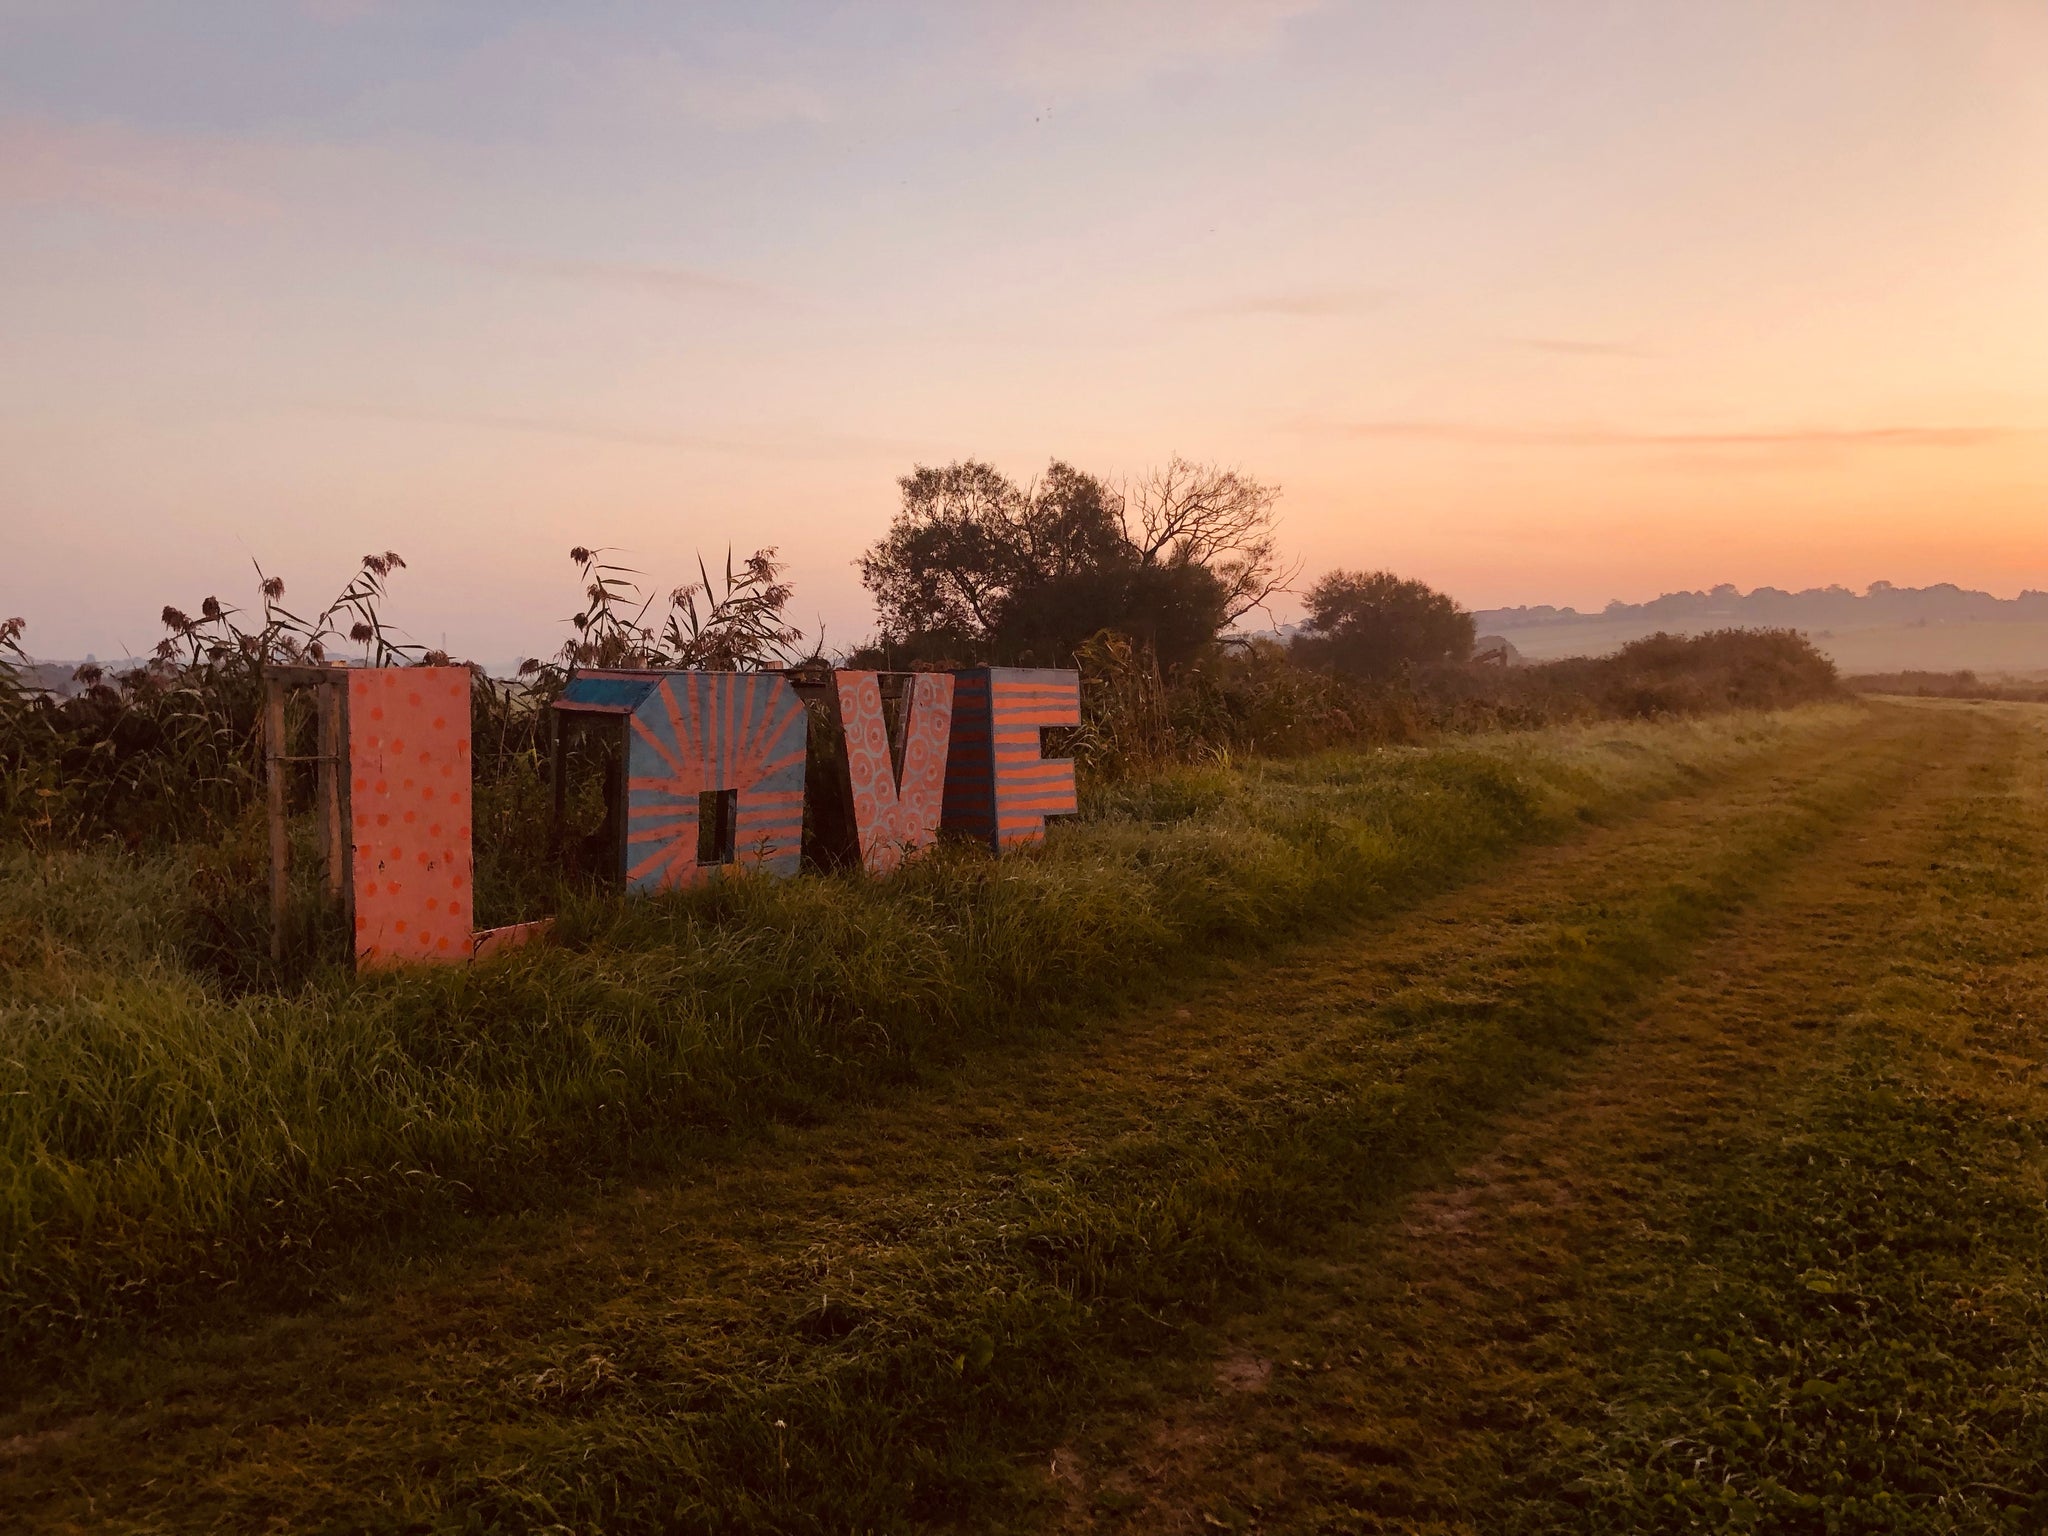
998 786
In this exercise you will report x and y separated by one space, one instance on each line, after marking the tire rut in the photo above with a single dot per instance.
1374 1390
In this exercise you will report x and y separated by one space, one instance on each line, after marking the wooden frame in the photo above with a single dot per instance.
565 721
331 784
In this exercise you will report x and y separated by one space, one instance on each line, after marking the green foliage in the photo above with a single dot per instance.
159 1134
1174 612
741 625
1946 685
171 749
1253 700
1378 625
978 569
1261 699
1697 674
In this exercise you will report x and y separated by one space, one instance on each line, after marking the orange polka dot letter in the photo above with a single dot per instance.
999 787
409 773
727 745
895 816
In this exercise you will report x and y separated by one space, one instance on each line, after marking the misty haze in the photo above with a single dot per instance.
1251 765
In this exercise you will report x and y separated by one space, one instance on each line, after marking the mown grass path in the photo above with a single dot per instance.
1773 1259
894 1317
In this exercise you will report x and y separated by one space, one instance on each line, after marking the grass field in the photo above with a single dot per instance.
160 1138
1626 1128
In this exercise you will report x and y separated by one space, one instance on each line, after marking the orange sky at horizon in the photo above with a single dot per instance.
1542 309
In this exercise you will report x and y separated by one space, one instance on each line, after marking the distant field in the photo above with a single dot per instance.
2018 649
1638 1131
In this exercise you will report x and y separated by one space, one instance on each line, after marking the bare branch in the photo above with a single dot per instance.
1200 514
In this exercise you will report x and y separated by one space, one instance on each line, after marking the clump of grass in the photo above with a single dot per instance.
1856 1342
159 1136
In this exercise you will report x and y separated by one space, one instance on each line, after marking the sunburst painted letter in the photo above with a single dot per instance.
714 777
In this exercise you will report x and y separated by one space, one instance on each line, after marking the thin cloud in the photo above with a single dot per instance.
667 281
783 443
737 80
1062 46
107 165
760 101
1299 303
1566 346
340 13
1608 437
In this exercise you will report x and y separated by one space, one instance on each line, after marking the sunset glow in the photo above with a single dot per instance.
1539 304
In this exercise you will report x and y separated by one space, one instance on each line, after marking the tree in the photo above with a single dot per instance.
951 556
1196 514
1376 624
1176 611
976 567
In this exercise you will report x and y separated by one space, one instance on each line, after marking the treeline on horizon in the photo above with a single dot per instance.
1774 607
1946 685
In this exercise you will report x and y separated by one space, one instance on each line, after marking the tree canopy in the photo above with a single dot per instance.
978 567
1373 624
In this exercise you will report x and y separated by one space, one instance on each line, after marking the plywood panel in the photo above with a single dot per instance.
704 731
895 817
999 785
409 800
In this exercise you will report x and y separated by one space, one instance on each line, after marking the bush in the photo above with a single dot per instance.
1947 685
1694 674
1377 625
1261 699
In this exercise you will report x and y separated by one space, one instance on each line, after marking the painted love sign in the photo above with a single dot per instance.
715 765
714 777
999 788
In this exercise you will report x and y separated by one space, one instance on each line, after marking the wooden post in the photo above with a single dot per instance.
328 698
280 847
344 824
615 801
556 829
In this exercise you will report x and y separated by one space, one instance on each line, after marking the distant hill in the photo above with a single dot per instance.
58 677
1772 607
1885 629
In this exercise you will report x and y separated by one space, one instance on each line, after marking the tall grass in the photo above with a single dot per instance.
170 750
159 1136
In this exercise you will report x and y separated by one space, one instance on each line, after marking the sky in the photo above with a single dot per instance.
1540 302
